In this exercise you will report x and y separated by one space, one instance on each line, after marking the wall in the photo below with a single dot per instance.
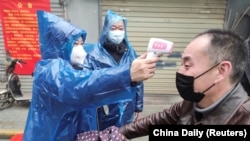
84 14
238 17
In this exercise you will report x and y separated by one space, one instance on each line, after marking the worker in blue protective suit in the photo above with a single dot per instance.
64 94
114 49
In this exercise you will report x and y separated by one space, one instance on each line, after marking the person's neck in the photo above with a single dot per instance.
212 96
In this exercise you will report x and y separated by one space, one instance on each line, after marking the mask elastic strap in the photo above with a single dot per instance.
208 88
206 71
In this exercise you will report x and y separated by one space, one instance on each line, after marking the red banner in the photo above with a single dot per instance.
20 30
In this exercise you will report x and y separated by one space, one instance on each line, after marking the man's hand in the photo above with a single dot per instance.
142 68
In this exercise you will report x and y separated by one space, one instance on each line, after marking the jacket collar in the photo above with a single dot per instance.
221 114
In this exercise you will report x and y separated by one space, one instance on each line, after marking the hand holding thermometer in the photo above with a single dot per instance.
157 47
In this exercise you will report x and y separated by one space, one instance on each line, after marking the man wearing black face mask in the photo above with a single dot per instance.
209 82
185 86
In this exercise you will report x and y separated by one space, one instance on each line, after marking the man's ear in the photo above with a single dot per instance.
224 70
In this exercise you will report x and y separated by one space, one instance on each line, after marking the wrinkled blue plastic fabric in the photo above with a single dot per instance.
64 100
123 112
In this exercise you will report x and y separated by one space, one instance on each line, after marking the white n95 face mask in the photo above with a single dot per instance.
78 55
116 36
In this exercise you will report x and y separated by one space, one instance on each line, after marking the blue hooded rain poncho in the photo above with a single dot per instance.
122 112
64 99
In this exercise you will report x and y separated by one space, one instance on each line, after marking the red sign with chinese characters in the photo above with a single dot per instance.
20 30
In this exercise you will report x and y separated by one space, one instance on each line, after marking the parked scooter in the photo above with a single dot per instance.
12 91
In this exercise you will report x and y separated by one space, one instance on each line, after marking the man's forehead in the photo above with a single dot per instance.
195 59
198 45
197 49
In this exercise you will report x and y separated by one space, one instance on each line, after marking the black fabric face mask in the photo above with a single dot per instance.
185 86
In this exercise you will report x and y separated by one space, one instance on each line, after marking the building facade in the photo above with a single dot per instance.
174 20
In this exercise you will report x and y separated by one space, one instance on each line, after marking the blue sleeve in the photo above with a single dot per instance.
57 79
139 102
139 97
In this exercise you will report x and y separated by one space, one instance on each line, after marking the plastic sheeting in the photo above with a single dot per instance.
64 99
120 113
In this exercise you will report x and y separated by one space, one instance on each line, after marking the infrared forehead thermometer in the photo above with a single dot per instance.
157 47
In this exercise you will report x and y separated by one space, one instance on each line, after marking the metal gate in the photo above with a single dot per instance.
175 20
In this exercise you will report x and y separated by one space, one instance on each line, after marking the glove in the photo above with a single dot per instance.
109 134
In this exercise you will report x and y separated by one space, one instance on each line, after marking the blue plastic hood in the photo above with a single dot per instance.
56 36
110 18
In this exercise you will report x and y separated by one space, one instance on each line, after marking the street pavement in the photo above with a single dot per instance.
13 119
